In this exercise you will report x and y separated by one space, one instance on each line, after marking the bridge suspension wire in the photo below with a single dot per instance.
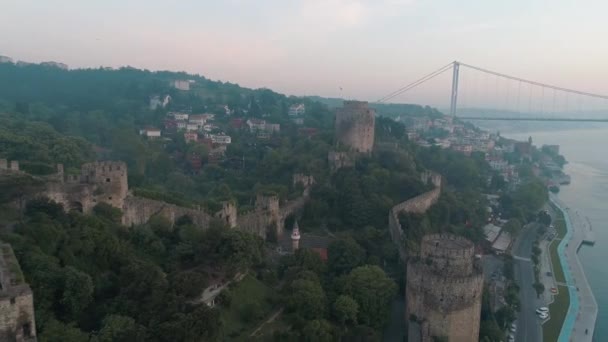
566 90
416 83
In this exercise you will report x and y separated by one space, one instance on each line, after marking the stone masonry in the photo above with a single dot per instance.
106 182
355 123
17 321
444 288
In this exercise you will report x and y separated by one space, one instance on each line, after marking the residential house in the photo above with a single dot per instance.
150 132
197 119
181 84
179 116
220 139
256 125
190 127
191 137
297 109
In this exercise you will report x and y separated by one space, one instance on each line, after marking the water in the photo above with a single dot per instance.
586 150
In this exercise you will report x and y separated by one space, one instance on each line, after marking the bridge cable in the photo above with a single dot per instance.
416 83
534 82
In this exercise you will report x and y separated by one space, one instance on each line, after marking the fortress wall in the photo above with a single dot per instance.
418 205
13 316
138 210
255 222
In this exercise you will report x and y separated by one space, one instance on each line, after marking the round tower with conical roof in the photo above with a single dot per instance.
295 237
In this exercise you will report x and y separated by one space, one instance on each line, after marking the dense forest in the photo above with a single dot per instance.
95 280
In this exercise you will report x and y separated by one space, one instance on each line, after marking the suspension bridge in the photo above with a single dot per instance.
481 94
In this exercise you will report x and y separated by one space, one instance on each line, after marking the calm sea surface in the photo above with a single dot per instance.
586 149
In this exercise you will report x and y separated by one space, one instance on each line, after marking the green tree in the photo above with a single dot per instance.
118 328
306 298
345 309
78 291
373 291
344 255
56 331
318 330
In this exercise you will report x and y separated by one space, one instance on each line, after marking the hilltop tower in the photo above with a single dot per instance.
295 237
443 290
109 179
355 123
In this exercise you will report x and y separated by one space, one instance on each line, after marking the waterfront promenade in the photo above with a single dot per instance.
579 323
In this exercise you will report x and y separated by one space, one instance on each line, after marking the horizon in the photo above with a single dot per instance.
334 48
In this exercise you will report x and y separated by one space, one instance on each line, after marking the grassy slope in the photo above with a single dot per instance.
559 307
248 291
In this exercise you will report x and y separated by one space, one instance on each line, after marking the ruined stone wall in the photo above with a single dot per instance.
17 316
98 182
138 210
17 321
257 222
417 205
338 160
354 126
228 214
6 166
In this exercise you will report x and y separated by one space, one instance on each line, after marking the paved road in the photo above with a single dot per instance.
528 325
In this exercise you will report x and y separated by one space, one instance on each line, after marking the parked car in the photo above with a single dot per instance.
513 327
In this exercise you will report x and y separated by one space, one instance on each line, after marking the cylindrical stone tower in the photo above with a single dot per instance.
444 287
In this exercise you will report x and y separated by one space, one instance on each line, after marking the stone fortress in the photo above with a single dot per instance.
355 123
444 286
17 321
106 182
354 133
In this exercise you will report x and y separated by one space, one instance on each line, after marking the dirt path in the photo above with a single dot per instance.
269 320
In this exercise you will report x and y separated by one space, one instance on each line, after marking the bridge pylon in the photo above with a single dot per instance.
454 97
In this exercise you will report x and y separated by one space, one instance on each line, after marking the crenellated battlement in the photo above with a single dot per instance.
354 126
5 165
447 245
444 287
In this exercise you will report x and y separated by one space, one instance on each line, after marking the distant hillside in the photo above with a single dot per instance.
391 110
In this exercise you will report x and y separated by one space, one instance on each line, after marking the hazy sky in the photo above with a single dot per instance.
366 47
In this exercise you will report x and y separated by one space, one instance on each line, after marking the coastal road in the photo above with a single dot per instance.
528 324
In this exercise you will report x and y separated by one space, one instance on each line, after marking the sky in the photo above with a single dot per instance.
359 49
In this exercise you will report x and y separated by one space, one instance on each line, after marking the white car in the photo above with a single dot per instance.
511 338
542 309
513 327
543 315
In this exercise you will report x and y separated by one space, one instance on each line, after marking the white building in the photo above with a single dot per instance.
190 127
220 139
179 116
256 125
297 109
150 132
498 164
181 85
181 124
198 119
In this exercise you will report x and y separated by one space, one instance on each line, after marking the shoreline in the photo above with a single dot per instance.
579 323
